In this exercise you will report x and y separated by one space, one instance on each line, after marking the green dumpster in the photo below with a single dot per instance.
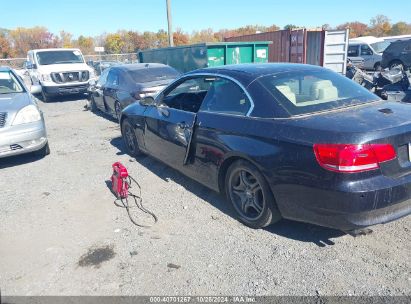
191 57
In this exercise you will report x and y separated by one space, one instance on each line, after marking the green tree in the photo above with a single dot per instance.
207 35
290 27
161 39
180 38
24 39
85 44
114 43
66 39
380 26
6 50
357 29
400 28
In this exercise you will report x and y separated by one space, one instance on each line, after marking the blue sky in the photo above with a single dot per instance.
93 17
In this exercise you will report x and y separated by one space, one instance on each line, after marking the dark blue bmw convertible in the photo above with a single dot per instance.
282 141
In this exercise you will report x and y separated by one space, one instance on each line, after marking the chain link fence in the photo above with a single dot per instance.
18 63
124 58
15 63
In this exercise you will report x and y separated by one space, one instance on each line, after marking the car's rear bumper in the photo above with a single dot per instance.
342 209
22 139
65 90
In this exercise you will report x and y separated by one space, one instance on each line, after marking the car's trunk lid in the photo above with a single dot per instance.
379 122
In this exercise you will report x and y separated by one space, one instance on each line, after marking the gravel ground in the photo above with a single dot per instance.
61 234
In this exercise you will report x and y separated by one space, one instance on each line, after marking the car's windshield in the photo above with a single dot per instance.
153 74
380 47
59 57
310 91
9 83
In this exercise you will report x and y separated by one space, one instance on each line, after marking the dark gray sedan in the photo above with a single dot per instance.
22 128
120 86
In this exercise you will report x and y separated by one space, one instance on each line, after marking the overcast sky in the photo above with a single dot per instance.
93 17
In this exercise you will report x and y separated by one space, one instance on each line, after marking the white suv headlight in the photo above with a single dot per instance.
45 77
28 114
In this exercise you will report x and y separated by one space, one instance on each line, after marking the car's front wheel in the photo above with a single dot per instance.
130 139
250 195
44 96
117 108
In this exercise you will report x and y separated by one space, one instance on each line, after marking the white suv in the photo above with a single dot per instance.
59 71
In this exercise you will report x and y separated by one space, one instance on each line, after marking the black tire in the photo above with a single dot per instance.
43 152
130 139
250 195
396 63
93 106
117 109
44 96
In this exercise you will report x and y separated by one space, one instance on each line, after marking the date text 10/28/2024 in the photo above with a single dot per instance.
203 299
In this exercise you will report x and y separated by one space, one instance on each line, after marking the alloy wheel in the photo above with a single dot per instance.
130 139
246 194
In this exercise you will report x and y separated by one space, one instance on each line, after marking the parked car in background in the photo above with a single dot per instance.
398 53
281 140
396 38
22 128
122 85
100 66
59 71
368 48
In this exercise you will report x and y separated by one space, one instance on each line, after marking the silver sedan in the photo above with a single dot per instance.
22 127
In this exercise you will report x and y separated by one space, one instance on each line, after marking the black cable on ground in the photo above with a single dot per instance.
138 200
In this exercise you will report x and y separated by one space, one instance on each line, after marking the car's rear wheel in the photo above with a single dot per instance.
43 151
130 138
250 195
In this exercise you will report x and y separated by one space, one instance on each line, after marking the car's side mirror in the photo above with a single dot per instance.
31 66
35 89
147 101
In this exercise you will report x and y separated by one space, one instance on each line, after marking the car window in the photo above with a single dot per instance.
353 51
187 95
103 78
380 46
310 91
9 83
112 79
225 96
149 74
365 50
59 57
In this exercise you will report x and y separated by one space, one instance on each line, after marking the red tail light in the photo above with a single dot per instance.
351 158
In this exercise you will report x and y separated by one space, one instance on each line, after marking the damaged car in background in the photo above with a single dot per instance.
122 85
282 141
22 127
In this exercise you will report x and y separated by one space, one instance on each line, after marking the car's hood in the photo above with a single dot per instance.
14 102
64 67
